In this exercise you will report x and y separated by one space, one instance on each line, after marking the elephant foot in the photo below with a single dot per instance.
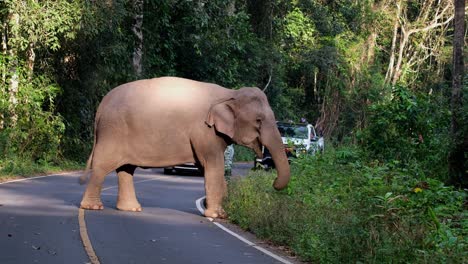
131 207
91 206
220 213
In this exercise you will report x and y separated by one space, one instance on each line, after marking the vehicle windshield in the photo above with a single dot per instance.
293 131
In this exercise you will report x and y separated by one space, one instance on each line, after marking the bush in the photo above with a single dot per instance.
37 132
242 153
18 166
339 209
406 129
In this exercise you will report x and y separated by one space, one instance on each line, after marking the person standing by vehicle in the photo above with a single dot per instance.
228 157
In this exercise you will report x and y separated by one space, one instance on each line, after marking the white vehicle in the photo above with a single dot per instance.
298 139
302 137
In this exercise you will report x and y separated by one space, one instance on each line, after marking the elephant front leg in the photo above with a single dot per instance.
216 190
126 199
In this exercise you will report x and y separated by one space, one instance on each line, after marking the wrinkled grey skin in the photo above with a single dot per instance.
167 121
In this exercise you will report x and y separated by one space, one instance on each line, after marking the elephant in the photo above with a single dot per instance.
167 121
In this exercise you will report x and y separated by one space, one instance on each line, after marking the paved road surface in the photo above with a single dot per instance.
39 224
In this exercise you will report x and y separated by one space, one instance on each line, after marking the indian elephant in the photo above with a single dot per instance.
167 121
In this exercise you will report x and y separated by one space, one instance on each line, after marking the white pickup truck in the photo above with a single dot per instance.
298 139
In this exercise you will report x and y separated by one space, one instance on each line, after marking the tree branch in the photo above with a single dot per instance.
269 80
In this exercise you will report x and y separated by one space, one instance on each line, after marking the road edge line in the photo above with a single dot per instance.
88 247
81 221
85 238
241 238
38 177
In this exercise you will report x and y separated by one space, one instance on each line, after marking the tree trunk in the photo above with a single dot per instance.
13 83
4 49
31 57
231 8
261 17
371 43
459 141
4 70
403 42
137 29
389 74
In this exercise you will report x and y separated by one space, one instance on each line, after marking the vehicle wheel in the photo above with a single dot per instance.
270 165
168 171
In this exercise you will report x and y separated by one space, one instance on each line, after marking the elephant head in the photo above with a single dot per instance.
247 119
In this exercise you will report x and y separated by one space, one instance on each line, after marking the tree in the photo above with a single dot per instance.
137 29
417 37
457 159
32 25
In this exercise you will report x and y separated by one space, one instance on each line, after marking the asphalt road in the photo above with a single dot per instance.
39 223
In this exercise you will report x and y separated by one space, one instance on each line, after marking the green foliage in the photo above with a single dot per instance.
31 31
19 166
339 209
204 41
406 128
299 31
43 23
242 153
38 130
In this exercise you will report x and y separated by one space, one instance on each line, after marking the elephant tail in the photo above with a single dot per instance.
84 178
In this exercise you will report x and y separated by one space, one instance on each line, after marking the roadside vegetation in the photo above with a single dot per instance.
19 168
243 154
343 208
378 197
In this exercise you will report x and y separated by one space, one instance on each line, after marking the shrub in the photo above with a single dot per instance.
406 128
242 153
339 209
38 130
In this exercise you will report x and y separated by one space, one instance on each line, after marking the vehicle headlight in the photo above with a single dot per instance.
301 151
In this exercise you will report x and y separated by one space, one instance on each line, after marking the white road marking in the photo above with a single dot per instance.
241 238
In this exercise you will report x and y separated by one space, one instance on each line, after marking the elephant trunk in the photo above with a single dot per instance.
272 140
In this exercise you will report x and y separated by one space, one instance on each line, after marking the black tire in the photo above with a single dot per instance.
168 171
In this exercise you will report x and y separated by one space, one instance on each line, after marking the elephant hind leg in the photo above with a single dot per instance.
126 199
101 166
92 196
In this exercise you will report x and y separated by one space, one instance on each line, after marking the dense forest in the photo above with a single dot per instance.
375 73
382 80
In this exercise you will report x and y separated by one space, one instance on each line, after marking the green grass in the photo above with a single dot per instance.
22 168
338 209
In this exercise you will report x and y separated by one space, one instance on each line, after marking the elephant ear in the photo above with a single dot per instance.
222 116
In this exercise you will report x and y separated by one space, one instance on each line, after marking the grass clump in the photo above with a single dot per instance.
24 167
337 209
